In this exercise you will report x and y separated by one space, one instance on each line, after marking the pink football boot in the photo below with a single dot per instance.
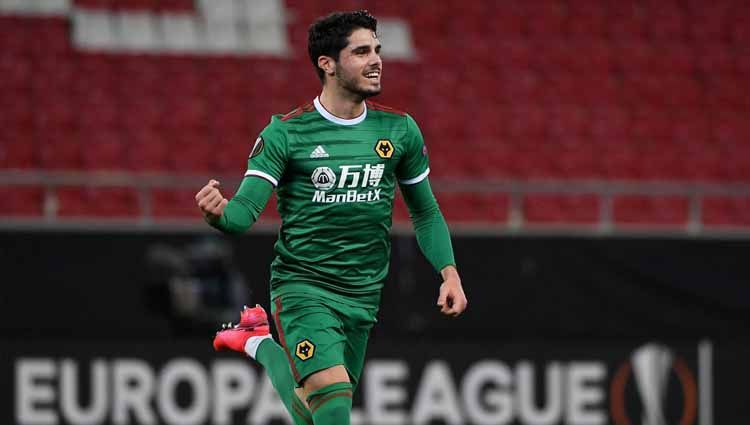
253 322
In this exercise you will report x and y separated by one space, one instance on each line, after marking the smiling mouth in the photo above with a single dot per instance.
373 75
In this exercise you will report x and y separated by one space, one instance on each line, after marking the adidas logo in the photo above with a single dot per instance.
319 152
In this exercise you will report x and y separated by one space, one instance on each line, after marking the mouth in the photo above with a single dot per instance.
373 75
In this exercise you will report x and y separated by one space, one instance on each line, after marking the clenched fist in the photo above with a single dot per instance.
210 201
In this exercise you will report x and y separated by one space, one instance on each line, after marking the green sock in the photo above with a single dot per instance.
273 358
331 405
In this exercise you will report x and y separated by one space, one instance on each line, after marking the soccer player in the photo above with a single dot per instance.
334 163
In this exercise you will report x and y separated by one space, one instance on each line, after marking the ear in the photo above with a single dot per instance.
327 64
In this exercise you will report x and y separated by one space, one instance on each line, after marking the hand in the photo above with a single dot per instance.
210 201
452 300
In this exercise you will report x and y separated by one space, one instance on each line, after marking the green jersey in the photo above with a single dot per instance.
335 181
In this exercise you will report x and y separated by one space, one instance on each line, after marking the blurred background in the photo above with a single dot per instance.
591 157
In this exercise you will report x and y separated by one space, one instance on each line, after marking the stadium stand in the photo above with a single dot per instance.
635 91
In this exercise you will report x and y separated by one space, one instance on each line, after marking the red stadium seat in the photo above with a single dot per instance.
22 201
587 19
634 56
527 122
400 211
714 58
16 35
136 5
620 160
51 36
705 165
597 90
651 124
230 155
97 202
564 122
189 152
60 153
726 211
515 53
534 161
97 112
660 91
114 202
176 5
591 57
17 72
727 91
270 213
72 202
105 152
507 21
736 162
561 209
185 113
466 207
663 160
645 210
174 203
729 126
550 89
707 23
229 76
610 123
740 28
95 4
17 150
229 115
146 150
143 76
673 58
545 17
690 126
57 115
139 113
626 21
578 162
17 110
667 22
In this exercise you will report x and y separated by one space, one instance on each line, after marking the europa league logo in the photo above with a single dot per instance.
652 365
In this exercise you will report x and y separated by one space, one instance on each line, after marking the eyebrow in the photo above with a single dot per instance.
365 47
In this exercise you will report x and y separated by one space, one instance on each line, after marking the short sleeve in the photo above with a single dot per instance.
413 167
269 154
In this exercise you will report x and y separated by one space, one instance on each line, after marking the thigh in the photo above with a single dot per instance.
357 325
310 332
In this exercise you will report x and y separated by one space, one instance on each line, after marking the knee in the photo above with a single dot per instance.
331 404
325 378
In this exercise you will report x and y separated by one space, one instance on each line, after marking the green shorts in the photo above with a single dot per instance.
318 333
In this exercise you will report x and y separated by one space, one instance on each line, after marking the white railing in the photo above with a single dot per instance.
605 190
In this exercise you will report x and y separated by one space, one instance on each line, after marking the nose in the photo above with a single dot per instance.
375 59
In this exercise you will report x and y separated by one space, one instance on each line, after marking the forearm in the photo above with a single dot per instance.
430 227
245 207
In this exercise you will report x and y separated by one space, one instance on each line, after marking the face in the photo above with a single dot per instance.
359 67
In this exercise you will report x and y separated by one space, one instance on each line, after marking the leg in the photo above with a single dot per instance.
272 357
314 342
329 395
329 391
251 336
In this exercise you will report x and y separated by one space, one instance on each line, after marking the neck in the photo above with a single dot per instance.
340 104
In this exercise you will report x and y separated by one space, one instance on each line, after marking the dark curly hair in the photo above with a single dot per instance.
328 35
